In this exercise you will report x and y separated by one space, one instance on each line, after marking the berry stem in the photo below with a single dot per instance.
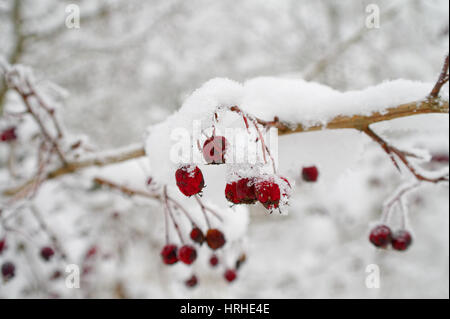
204 211
397 198
170 213
183 210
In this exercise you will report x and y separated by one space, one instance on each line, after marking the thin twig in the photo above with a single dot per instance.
402 156
443 78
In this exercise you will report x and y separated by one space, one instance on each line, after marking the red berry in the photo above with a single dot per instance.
213 261
401 240
214 150
169 254
245 191
91 252
440 158
2 245
8 270
8 135
230 275
268 193
187 254
47 253
215 239
310 174
381 236
231 192
189 180
197 235
192 282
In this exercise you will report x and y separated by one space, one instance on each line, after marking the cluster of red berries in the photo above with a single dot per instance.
8 135
187 254
381 236
267 190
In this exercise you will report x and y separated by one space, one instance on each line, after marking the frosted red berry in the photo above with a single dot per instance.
8 270
8 135
214 261
215 239
230 275
47 253
189 180
310 174
268 193
187 254
401 240
197 235
381 236
192 282
245 191
214 150
231 192
169 254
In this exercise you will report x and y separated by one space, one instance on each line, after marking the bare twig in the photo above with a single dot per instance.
402 156
443 78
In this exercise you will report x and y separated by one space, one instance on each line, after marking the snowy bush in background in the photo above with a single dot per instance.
134 72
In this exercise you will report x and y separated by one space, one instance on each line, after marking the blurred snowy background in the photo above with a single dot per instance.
132 63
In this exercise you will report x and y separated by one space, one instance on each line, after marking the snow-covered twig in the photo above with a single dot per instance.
443 78
395 153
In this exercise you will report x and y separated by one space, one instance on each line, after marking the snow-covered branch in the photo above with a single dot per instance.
359 121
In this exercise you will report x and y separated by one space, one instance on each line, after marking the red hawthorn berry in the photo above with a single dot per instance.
197 235
214 150
8 270
187 254
401 240
214 261
8 135
2 245
215 239
268 193
245 191
91 252
191 282
230 275
169 254
381 236
47 253
189 180
231 192
310 174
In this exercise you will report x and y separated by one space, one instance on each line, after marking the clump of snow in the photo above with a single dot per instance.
309 103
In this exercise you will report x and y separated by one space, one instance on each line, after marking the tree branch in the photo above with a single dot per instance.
117 156
359 122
